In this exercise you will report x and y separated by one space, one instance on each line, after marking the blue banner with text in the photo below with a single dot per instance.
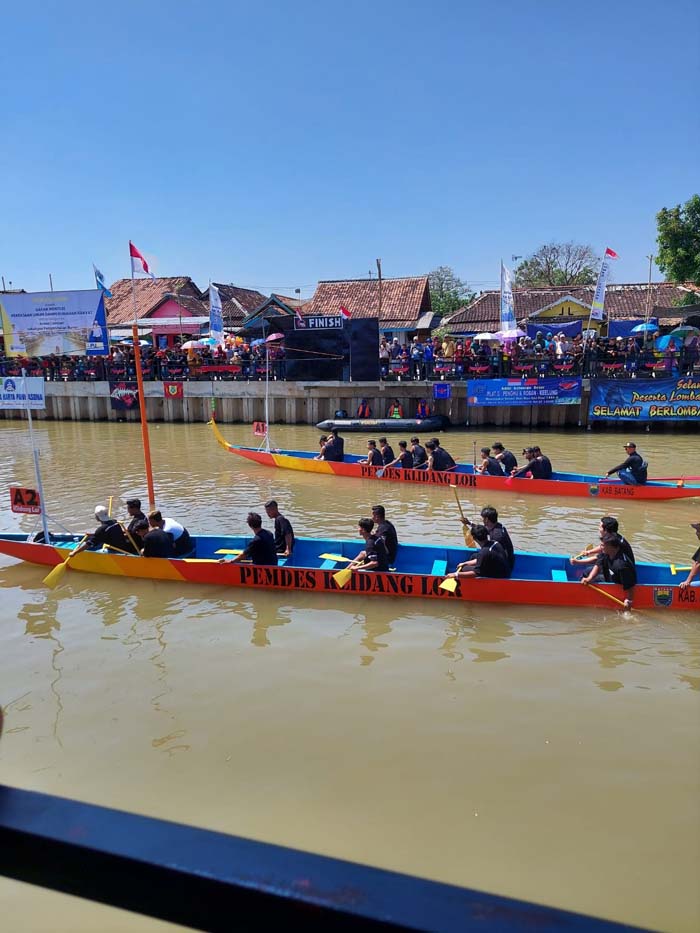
645 399
524 391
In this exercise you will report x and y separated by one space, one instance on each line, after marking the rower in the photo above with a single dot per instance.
505 457
261 549
615 567
695 566
544 465
334 449
108 533
374 458
386 451
284 533
405 458
633 470
498 532
488 463
490 561
438 446
181 537
386 531
322 441
133 507
155 541
438 458
608 526
374 555
420 457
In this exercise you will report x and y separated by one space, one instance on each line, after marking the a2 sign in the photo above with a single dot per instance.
25 501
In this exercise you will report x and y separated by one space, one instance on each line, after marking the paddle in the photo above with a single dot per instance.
468 540
336 557
583 552
54 576
605 593
119 550
449 584
661 479
675 568
342 577
127 534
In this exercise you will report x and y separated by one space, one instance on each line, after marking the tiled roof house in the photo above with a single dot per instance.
567 302
404 301
152 300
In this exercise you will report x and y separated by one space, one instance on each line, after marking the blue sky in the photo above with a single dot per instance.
275 144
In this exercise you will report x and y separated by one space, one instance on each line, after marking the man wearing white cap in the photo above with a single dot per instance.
108 533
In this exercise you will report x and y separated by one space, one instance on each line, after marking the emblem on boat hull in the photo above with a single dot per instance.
663 596
593 490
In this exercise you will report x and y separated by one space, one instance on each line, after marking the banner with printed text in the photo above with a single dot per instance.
491 392
41 323
676 399
22 392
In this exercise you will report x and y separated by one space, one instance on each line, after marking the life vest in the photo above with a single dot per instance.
396 411
422 411
363 410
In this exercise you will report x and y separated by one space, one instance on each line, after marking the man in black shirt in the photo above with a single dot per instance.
133 507
505 457
543 465
334 448
107 534
633 470
156 542
420 457
615 567
438 458
386 531
284 533
490 561
695 566
404 460
374 458
447 457
374 556
488 463
608 526
497 532
386 451
261 550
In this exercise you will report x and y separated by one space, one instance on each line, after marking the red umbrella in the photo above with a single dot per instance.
274 337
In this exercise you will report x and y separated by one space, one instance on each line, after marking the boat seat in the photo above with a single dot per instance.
559 576
439 568
328 565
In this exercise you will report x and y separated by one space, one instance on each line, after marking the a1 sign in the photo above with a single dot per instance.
259 429
26 501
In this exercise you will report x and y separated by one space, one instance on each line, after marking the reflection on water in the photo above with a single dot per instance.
563 728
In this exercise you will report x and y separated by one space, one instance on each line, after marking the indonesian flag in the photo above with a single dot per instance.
346 314
611 254
139 266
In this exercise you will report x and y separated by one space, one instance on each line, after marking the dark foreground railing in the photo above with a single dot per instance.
211 881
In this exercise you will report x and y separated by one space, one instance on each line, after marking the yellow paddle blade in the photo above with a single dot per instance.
675 568
450 584
54 576
336 557
342 577
224 550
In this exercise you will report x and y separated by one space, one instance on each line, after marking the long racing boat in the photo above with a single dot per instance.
464 475
537 580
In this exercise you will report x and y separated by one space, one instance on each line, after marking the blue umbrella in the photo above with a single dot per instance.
647 328
663 342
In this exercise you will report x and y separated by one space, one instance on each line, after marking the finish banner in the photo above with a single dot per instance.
124 396
41 323
645 399
492 392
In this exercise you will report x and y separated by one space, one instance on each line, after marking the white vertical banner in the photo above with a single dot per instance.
216 315
598 303
507 303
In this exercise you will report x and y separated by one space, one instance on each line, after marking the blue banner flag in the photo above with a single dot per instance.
492 392
673 399
100 280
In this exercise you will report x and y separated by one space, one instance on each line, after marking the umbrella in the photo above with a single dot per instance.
663 342
130 343
257 342
485 336
195 344
685 330
511 334
274 337
647 328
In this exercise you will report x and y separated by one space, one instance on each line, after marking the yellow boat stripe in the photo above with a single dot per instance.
297 463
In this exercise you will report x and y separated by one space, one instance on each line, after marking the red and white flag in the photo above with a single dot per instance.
346 314
611 254
139 266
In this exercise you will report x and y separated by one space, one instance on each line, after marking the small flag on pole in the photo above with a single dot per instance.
139 266
611 254
346 314
100 280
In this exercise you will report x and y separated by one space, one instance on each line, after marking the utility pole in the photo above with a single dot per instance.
50 282
379 276
647 313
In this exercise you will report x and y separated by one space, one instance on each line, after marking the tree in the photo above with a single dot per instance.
558 264
679 244
447 292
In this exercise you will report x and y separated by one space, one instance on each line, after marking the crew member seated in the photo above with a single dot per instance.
374 457
422 409
109 533
395 410
363 409
334 448
491 559
488 463
438 458
633 470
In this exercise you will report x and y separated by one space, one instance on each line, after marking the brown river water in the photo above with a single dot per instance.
543 753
